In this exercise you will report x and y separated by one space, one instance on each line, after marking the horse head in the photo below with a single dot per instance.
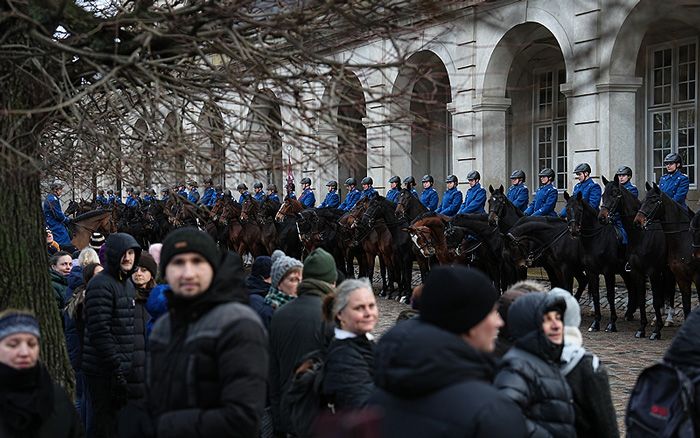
574 212
610 201
652 207
423 239
249 209
403 203
497 205
289 207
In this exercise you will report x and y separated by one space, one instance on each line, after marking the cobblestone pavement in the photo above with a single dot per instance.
623 354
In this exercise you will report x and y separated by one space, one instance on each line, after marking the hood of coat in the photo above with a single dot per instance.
685 348
228 285
257 286
116 246
75 278
525 317
416 358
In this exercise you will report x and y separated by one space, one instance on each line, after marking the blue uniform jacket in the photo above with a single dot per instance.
131 202
148 199
544 202
182 193
193 196
369 193
474 201
111 199
209 197
101 200
55 219
451 200
393 195
675 185
591 192
241 199
429 198
332 200
631 188
259 196
350 200
307 198
274 197
414 193
519 195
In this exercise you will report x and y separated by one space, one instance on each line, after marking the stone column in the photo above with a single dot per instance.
490 141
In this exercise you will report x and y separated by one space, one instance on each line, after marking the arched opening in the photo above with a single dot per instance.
261 155
352 134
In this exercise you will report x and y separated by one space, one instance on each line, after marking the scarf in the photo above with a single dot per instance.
26 398
313 286
276 298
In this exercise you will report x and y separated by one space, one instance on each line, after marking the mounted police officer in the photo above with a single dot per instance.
307 197
353 195
54 217
181 191
429 198
451 199
243 190
589 189
138 198
367 190
518 193
393 193
208 198
110 196
193 195
290 191
624 175
272 192
130 200
259 193
101 199
164 194
410 184
220 192
149 196
675 183
475 198
332 198
546 196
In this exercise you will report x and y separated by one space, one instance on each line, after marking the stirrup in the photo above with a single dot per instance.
628 267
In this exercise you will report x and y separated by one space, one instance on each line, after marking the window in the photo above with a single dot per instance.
549 124
672 115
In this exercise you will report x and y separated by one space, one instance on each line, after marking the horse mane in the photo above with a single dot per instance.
527 227
91 214
329 213
425 215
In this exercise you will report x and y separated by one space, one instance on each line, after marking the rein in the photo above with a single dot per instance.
532 256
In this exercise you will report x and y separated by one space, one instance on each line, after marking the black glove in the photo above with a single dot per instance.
118 391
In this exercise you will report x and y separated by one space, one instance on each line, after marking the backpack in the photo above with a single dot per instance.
661 404
303 398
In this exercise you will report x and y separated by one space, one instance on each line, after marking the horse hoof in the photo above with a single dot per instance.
611 327
655 336
640 334
595 327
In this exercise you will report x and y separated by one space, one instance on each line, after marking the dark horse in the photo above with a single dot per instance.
603 254
502 213
287 233
643 251
318 228
407 209
675 222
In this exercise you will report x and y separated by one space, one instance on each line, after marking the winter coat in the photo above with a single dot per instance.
590 192
530 375
349 371
429 198
257 290
519 195
370 193
193 196
451 201
209 197
544 202
350 200
56 220
32 405
474 200
296 329
259 196
631 188
684 353
675 185
136 378
156 305
273 197
431 383
392 195
71 332
208 362
108 343
59 283
332 200
307 198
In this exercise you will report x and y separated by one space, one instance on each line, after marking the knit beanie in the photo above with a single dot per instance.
18 322
281 263
261 267
456 298
96 241
189 239
572 314
147 261
320 265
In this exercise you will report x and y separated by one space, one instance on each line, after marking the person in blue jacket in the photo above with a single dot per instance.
181 191
332 198
243 190
590 190
130 200
429 198
54 217
367 190
164 194
149 196
475 198
101 199
259 194
110 197
393 193
353 195
272 192
291 191
193 195
451 199
307 197
518 193
208 198
410 184
624 174
675 183
546 196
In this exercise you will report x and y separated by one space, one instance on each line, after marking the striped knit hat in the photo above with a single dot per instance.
96 241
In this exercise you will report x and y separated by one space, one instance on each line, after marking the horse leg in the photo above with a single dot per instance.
610 294
383 274
667 282
593 290
685 288
582 281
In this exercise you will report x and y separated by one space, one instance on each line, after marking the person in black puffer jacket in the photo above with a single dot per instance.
258 284
433 373
349 371
684 353
144 281
530 374
109 333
